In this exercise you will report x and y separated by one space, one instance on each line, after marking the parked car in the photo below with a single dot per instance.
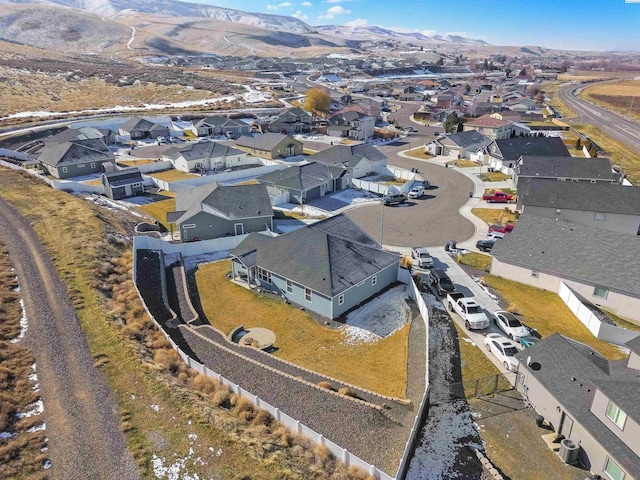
423 257
416 192
441 281
504 350
485 245
394 199
469 310
495 235
501 228
528 341
510 325
498 197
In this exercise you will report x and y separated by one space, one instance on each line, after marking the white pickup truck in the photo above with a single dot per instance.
474 317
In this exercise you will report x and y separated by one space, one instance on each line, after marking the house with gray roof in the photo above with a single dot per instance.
351 124
307 182
216 210
565 169
139 128
459 145
505 152
612 207
270 145
359 160
292 121
587 399
81 134
76 158
204 156
124 183
600 265
219 125
327 267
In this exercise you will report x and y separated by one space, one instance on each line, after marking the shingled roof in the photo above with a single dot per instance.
348 155
328 257
578 252
512 149
195 151
466 139
83 151
266 141
565 167
302 177
139 123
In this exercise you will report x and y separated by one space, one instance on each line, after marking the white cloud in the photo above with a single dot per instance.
428 33
306 4
299 15
284 4
358 22
281 5
333 11
337 1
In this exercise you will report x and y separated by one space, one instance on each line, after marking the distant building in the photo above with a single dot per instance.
270 145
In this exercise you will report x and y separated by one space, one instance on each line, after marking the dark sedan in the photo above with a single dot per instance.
485 245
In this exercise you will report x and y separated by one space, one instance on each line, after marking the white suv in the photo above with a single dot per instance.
423 257
416 192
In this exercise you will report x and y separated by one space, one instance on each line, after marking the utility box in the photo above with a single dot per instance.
569 451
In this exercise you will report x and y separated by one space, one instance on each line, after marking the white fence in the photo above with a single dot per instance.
141 242
599 329
280 199
14 154
74 187
152 167
187 249
381 189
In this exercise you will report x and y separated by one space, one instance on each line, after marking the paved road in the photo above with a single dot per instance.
80 412
611 124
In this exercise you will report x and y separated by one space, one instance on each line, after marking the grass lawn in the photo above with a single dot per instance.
94 182
309 151
620 322
474 363
495 215
136 163
158 210
248 182
418 153
548 314
462 163
560 106
476 260
615 151
379 366
172 175
494 177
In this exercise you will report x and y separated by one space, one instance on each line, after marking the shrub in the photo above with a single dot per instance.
348 392
204 384
222 398
263 417
327 385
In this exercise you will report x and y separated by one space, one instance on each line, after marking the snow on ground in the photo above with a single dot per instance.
351 196
432 301
139 200
42 426
255 96
379 317
110 204
320 139
377 142
24 324
306 209
4 435
179 469
192 262
154 407
36 409
80 179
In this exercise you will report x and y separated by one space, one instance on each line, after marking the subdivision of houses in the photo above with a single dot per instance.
565 169
307 182
351 124
75 159
589 400
219 125
493 128
292 121
205 156
611 207
359 160
270 145
216 210
124 183
502 154
139 128
328 267
459 145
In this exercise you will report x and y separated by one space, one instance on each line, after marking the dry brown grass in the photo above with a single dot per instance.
495 216
621 97
136 163
418 153
462 163
379 366
172 175
158 210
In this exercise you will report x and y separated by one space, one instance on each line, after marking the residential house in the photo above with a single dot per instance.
351 124
293 120
328 267
507 115
589 400
459 145
216 210
307 182
139 128
411 97
522 104
489 126
602 205
75 159
565 168
359 160
270 145
219 125
203 156
598 264
123 183
504 153
81 134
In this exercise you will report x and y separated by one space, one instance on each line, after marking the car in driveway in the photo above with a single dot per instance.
416 192
423 257
495 235
504 349
508 228
485 245
441 281
394 199
510 325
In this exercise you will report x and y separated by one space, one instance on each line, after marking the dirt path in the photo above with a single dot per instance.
80 412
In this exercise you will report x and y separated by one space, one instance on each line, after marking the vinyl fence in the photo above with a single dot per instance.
74 187
602 330
381 189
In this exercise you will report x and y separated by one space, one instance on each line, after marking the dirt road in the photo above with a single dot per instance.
80 412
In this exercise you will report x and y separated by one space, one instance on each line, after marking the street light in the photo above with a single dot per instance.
381 220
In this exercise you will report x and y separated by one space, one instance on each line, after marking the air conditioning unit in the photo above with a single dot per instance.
569 451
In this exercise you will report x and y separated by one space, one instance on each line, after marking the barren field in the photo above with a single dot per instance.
621 97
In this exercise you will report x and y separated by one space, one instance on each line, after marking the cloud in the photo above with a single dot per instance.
428 33
337 1
306 4
358 22
333 11
299 15
281 5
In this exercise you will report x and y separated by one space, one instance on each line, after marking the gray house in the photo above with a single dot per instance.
202 156
505 152
138 128
328 267
74 159
602 205
600 265
589 400
460 144
218 125
81 134
123 183
565 169
359 160
293 120
270 145
307 182
217 210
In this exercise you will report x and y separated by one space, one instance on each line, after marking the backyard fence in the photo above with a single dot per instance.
484 386
66 186
584 310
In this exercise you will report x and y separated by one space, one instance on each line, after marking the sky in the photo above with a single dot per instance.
563 24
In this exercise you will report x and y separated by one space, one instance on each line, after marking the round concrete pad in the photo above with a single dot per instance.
264 337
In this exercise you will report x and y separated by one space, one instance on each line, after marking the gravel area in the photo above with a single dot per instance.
81 414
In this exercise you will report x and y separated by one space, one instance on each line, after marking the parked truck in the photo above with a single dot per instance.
498 197
469 310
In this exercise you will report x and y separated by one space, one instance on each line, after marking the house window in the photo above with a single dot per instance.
81 165
600 216
64 169
289 286
535 273
93 165
341 299
374 280
616 415
189 225
307 294
264 275
613 471
600 292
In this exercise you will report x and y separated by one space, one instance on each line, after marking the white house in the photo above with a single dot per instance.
204 156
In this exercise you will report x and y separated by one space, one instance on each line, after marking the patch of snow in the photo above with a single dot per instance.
133 397
33 377
4 435
302 209
110 204
37 428
47 464
155 407
24 324
190 263
351 196
218 452
432 301
192 437
36 409
255 96
378 318
468 340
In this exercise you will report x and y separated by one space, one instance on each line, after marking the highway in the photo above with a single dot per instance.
611 124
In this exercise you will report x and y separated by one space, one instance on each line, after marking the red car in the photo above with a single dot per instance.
498 197
501 228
